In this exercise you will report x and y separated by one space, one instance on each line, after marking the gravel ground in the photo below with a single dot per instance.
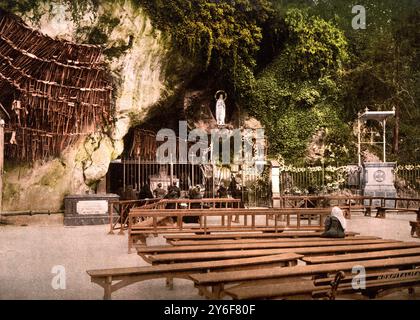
28 255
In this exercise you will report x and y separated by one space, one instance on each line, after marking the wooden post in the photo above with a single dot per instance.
359 141
1 164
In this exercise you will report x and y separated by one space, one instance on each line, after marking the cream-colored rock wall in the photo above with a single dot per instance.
139 83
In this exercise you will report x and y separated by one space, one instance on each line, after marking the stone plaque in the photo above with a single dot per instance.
92 207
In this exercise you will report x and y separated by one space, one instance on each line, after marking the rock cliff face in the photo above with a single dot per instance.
138 57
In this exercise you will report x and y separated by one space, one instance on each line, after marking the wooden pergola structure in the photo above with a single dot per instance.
54 91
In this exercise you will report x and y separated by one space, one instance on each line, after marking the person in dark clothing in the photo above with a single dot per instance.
335 224
174 190
159 192
194 193
173 193
145 192
222 192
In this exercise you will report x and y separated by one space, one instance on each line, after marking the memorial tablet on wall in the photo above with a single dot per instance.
87 209
92 207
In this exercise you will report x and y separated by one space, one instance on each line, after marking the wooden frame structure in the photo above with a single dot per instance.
55 91
144 222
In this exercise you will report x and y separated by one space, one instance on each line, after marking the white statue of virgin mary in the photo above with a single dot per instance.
220 108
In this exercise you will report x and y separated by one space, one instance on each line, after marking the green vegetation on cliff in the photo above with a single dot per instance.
297 66
300 67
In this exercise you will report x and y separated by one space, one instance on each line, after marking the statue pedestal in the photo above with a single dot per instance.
379 181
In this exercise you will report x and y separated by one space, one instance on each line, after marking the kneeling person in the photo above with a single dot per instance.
335 224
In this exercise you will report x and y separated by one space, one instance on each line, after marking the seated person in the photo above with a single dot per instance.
159 192
173 193
194 193
335 224
175 190
221 192
145 192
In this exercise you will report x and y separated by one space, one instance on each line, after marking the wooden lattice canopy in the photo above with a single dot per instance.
52 91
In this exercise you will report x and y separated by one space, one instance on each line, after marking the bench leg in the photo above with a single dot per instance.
347 214
216 291
368 212
107 288
130 243
380 213
170 283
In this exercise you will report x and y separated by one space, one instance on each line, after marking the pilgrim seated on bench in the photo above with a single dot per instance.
335 224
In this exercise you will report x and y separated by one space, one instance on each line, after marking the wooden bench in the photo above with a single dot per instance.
236 254
117 278
376 283
381 211
138 231
262 240
147 253
249 246
346 203
217 281
122 208
362 256
244 235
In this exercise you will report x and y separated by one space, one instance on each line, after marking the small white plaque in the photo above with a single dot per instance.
92 207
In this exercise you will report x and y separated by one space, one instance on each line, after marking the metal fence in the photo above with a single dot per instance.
408 180
310 180
256 191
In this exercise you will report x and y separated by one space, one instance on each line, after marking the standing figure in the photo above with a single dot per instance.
220 108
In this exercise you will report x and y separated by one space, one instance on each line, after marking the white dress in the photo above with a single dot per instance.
220 112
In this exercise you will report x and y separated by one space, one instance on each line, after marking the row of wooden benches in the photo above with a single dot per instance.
144 222
367 204
221 268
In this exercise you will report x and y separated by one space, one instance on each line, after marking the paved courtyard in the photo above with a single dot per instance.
29 253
